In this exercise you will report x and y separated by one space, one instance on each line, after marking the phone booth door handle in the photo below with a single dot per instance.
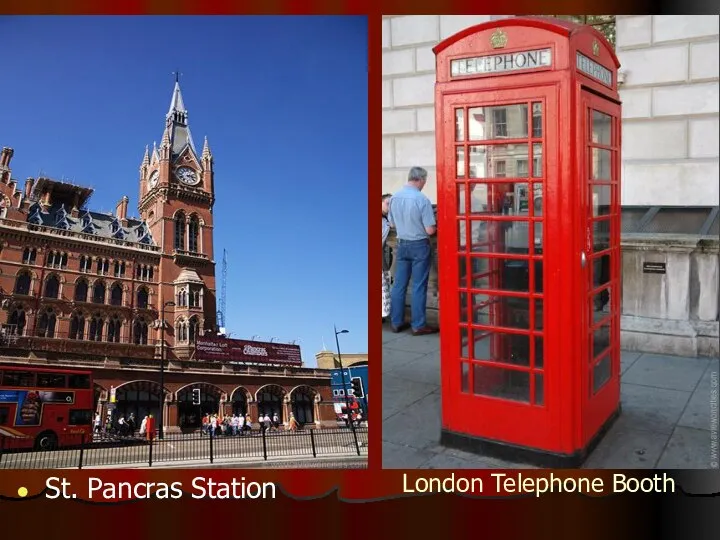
583 259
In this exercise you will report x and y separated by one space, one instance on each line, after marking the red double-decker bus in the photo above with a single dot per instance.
44 408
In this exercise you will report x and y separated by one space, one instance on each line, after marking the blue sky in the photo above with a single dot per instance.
283 102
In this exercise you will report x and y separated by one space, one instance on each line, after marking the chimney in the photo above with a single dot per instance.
121 209
29 183
5 156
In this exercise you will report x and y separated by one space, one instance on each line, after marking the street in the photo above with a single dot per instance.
192 447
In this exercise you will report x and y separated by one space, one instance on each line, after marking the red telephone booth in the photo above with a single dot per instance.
528 160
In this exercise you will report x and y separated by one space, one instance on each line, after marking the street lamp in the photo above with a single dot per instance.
342 370
161 426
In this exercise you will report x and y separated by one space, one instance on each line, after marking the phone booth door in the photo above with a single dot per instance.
599 134
495 178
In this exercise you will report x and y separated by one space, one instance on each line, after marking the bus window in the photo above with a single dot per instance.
79 381
80 417
25 379
4 415
51 380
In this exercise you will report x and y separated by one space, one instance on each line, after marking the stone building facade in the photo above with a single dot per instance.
670 155
103 291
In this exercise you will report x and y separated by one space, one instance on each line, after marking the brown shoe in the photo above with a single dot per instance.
425 330
398 329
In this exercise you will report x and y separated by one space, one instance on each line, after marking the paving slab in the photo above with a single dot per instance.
448 461
424 369
688 448
627 359
394 359
388 336
651 409
396 456
627 449
697 413
417 426
672 372
399 393
410 343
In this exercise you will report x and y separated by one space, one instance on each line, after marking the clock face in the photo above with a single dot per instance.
154 179
186 175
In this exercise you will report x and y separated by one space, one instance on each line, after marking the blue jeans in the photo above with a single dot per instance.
412 261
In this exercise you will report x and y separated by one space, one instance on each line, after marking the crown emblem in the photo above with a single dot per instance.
596 47
499 39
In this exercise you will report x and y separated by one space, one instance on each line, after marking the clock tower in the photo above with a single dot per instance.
176 201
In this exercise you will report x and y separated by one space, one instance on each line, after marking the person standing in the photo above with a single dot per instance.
387 257
412 215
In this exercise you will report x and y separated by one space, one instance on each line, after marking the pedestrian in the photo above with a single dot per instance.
98 422
234 424
241 424
276 421
143 425
412 215
387 257
267 422
213 425
292 425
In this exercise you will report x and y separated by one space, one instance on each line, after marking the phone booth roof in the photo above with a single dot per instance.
580 48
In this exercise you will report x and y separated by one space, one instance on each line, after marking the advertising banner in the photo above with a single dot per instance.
248 352
29 403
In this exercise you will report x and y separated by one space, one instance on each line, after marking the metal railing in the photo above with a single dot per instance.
76 451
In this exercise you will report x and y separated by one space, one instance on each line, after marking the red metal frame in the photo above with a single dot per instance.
567 415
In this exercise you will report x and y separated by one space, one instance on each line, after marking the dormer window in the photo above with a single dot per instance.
115 226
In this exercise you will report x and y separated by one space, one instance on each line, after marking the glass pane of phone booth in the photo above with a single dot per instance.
603 217
500 181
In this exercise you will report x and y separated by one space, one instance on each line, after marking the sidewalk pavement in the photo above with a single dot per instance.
665 421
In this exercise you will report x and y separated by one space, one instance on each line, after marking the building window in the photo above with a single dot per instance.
140 331
17 321
29 255
180 232
52 287
55 259
119 269
522 168
46 324
142 298
103 266
81 290
537 120
99 292
181 331
193 230
500 169
22 283
182 298
77 326
85 264
193 329
116 295
113 329
500 122
96 328
144 273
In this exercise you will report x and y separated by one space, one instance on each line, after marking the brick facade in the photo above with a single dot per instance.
85 289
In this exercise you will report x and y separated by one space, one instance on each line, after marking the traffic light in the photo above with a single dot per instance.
357 387
196 396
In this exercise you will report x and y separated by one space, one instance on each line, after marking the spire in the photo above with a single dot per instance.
146 158
155 154
206 149
165 138
176 103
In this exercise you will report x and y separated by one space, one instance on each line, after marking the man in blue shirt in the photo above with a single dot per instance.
411 214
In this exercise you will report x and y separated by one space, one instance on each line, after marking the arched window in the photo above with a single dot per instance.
29 255
81 290
182 298
96 328
22 283
193 329
46 324
116 294
140 331
142 298
99 292
52 287
113 329
181 331
193 230
77 326
180 231
303 405
17 321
